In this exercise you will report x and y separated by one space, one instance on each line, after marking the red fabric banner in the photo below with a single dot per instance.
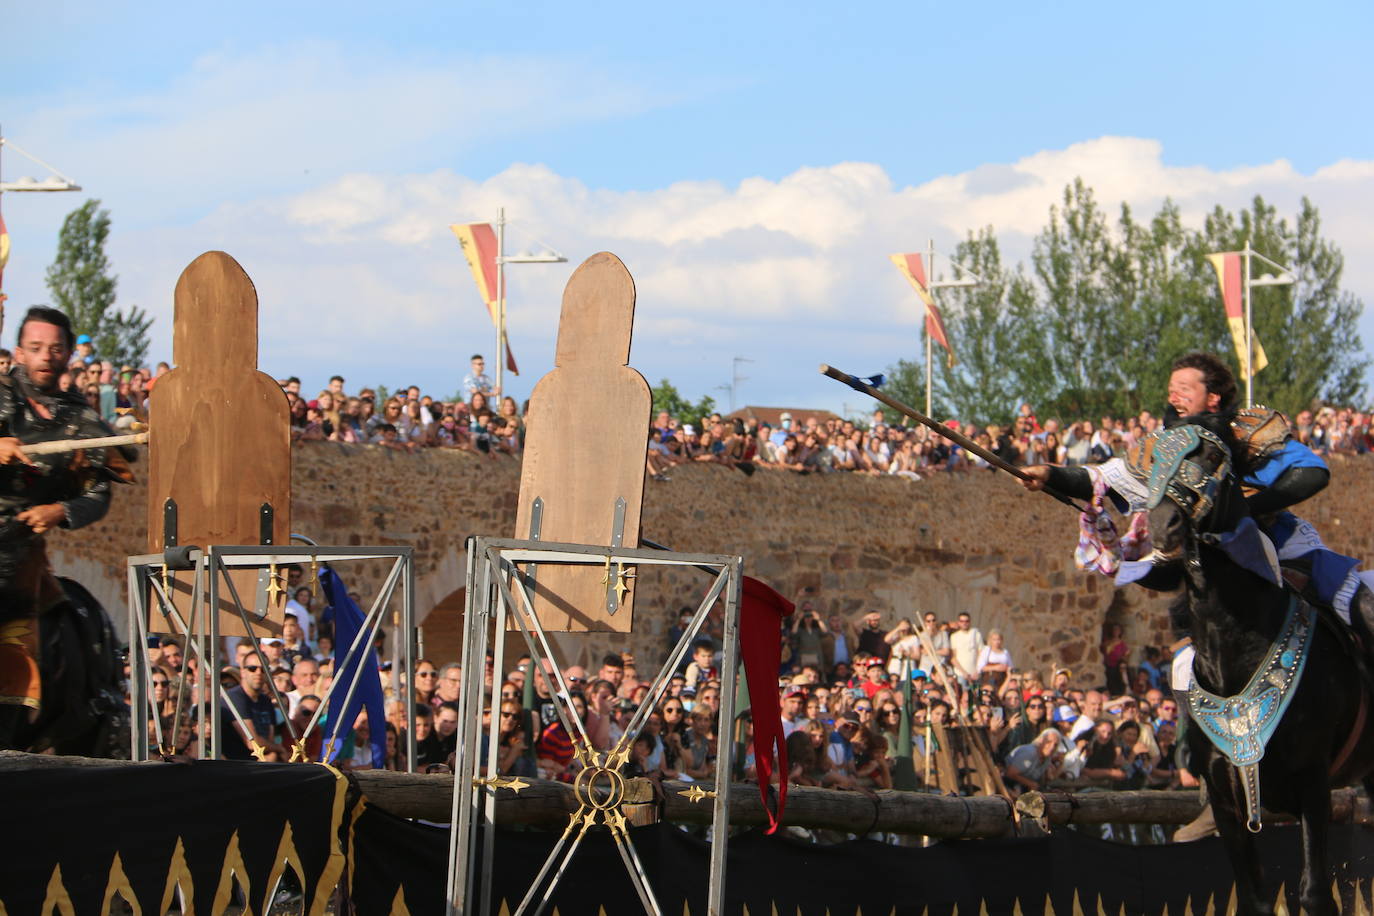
761 613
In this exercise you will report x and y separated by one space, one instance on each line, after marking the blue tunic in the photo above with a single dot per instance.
1329 569
1293 455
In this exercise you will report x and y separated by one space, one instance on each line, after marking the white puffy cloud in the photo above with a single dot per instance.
361 274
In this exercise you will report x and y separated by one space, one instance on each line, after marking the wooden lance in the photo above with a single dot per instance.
952 435
70 445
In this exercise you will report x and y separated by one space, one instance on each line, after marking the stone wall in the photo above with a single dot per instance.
973 542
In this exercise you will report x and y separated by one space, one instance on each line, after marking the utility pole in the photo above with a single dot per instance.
736 378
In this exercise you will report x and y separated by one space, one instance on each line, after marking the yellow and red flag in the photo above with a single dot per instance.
913 268
1227 266
479 247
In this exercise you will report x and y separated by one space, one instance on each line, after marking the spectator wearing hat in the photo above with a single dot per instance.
779 436
793 705
85 350
876 679
272 651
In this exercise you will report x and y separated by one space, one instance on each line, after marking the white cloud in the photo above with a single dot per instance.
362 274
268 120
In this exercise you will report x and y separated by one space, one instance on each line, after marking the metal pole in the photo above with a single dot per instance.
476 614
500 297
925 324
1249 358
138 668
720 826
406 665
211 695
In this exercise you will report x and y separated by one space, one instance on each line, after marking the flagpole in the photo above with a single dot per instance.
1249 343
930 286
500 296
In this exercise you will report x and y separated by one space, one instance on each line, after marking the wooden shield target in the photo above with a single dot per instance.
219 443
582 480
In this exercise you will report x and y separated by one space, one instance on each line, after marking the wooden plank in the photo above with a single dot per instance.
219 435
588 432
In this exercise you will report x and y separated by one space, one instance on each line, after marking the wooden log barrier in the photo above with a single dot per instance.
1148 806
548 804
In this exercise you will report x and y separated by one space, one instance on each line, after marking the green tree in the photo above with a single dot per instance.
1107 306
995 368
666 397
1154 289
83 286
1073 258
906 381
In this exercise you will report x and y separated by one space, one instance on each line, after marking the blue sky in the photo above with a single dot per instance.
752 163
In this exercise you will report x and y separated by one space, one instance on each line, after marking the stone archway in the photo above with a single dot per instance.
443 629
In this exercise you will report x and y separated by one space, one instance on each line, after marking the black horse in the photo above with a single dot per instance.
1235 616
81 663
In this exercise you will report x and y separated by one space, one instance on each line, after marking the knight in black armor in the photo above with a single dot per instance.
1276 472
39 493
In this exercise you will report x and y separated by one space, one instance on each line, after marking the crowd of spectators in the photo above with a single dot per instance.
842 696
833 444
478 418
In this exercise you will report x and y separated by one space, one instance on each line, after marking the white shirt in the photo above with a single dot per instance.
966 644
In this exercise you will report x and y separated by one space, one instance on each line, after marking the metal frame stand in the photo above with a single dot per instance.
500 574
147 580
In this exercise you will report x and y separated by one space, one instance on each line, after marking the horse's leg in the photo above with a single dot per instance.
1223 786
1315 889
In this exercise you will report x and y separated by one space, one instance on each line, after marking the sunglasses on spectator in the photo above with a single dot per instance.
425 673
509 715
252 667
863 708
159 683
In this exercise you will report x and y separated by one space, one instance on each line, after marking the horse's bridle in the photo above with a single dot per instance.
1162 462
